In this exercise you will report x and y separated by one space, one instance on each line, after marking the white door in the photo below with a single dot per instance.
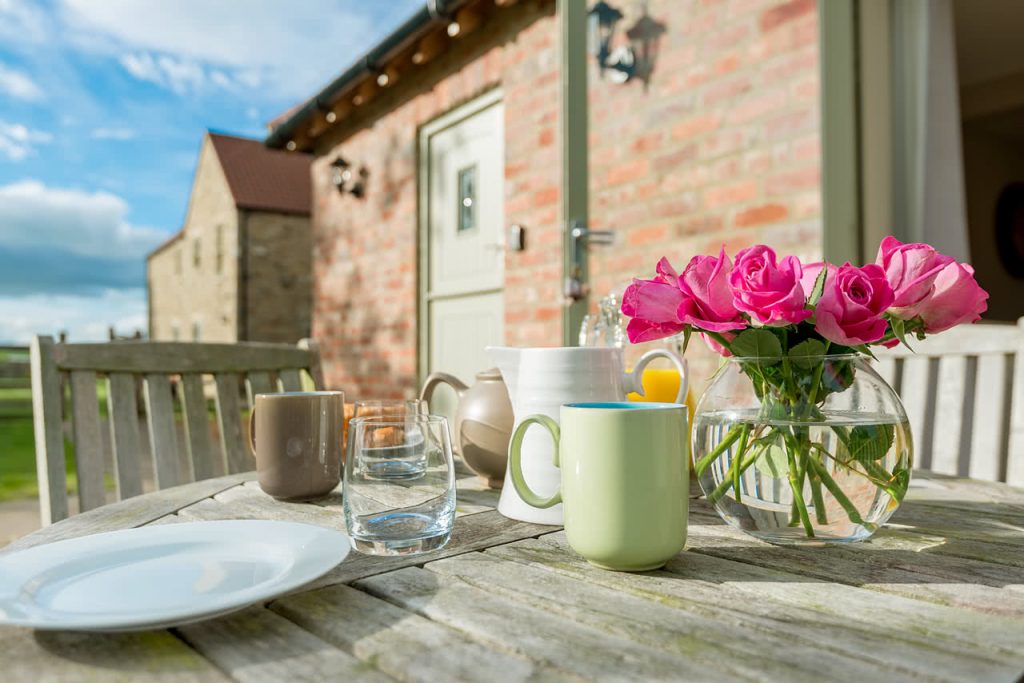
464 258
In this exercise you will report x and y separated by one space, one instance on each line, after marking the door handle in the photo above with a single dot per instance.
581 236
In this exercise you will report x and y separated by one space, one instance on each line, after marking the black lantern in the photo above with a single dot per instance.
347 180
601 21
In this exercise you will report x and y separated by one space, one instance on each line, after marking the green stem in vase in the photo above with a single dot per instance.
740 450
797 484
837 493
725 443
819 502
726 483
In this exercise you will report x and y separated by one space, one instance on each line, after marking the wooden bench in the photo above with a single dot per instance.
963 391
163 370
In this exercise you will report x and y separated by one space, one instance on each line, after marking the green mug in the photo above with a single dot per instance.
625 483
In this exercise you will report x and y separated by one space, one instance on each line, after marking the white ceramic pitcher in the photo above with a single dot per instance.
540 380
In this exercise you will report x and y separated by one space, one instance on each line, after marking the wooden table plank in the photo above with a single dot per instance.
909 571
256 646
529 631
720 640
401 643
73 657
130 513
939 595
882 628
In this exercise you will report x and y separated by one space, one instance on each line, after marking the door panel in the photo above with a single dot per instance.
466 205
465 309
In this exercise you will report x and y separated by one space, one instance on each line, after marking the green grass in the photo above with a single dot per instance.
17 447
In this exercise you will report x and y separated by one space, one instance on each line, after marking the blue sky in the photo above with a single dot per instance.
103 105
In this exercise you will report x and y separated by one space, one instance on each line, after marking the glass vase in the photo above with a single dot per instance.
802 450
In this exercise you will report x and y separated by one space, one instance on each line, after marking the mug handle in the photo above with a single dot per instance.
252 430
634 379
515 464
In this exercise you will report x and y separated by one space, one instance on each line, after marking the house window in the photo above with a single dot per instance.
197 330
175 331
467 199
220 248
196 253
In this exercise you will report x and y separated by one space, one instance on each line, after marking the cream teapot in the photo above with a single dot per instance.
483 421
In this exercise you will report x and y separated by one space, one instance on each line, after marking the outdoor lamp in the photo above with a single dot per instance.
347 180
601 21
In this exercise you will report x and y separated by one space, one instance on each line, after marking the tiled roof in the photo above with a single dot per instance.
264 179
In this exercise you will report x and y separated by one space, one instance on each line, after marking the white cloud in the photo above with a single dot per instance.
18 141
112 134
21 21
84 318
286 49
92 224
18 85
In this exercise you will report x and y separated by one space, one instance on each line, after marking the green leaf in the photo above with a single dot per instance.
686 337
870 442
899 329
865 349
807 354
756 343
773 462
818 288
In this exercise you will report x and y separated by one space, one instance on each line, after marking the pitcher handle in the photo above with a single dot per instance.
515 463
441 378
634 380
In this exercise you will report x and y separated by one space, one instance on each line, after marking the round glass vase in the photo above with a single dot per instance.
802 450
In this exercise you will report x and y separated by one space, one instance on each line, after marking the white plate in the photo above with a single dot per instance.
160 576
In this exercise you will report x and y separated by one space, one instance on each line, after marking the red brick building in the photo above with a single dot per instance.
717 144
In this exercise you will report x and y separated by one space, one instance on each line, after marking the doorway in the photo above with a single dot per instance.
462 258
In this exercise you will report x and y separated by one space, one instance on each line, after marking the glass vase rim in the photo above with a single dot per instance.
847 355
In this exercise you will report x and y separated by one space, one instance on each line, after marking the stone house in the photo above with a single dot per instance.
683 126
240 267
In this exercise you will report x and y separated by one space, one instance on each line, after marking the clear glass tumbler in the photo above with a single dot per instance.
388 458
387 515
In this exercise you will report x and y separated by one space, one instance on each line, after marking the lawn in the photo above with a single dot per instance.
17 446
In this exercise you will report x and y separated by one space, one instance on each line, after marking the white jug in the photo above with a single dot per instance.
540 380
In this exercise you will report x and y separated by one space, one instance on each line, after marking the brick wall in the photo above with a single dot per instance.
185 291
364 250
719 146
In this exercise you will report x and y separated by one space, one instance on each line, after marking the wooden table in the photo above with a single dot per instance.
937 595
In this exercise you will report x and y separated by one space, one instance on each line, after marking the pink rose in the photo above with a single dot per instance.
811 272
770 292
911 270
716 347
708 298
957 299
851 307
653 307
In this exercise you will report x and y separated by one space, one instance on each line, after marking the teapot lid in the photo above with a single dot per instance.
489 375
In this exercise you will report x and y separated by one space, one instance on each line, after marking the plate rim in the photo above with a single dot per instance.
236 600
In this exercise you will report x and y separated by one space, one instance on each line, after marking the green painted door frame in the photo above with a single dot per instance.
572 15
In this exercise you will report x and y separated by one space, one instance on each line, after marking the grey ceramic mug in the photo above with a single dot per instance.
297 440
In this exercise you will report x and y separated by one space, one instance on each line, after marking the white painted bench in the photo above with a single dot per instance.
163 370
963 391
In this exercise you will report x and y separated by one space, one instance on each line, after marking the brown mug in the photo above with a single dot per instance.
297 440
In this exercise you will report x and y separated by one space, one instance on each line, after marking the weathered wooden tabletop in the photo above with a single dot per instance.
936 595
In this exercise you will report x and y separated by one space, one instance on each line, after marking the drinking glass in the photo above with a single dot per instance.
389 408
387 515
391 459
